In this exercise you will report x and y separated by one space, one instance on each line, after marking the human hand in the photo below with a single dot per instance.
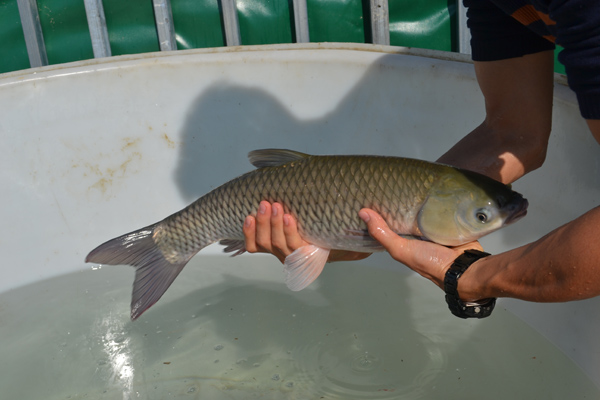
273 231
428 259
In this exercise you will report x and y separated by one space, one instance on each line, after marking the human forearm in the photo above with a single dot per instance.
513 138
504 155
562 266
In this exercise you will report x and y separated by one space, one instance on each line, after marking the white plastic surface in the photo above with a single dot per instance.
92 150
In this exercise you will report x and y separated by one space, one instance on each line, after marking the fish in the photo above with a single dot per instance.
417 199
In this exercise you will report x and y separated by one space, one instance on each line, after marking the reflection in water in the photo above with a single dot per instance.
116 348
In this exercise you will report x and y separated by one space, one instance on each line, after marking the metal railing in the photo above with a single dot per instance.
36 50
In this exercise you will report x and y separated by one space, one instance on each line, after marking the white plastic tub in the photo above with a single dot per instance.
95 149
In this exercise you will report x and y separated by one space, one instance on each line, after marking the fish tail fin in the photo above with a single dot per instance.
153 272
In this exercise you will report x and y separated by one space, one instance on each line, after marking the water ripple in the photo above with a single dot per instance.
366 365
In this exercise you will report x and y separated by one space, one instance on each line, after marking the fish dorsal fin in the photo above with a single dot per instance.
274 157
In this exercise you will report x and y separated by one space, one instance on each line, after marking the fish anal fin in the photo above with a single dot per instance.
304 265
274 157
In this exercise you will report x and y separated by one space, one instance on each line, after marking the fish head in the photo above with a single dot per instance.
464 206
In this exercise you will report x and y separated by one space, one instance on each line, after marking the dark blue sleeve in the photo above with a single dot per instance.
495 35
578 31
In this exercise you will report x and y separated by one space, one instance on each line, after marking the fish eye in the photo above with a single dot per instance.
481 216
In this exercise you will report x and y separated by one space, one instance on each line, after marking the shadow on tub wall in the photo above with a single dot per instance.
380 114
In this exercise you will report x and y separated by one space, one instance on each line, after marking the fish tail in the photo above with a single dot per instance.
153 272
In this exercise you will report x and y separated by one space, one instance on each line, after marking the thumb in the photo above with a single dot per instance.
379 229
429 259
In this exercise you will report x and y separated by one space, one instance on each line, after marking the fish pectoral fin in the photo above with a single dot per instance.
304 265
231 245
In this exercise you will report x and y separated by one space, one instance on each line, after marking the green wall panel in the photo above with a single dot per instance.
197 24
65 29
265 21
131 26
336 21
13 52
424 24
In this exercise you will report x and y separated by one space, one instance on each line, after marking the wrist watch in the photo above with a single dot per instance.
479 309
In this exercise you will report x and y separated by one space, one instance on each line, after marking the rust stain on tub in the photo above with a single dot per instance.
130 142
101 185
111 175
167 139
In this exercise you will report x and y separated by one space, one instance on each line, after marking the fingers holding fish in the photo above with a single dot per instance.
249 231
263 227
290 230
430 260
272 231
421 256
257 231
380 231
278 243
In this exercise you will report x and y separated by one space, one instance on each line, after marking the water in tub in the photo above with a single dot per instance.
230 329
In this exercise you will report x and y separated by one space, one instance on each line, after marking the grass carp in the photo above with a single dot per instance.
426 200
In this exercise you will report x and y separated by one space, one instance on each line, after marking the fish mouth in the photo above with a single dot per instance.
517 210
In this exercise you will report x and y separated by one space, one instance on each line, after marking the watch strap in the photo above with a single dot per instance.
479 309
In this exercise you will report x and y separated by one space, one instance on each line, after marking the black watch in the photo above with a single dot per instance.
480 309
